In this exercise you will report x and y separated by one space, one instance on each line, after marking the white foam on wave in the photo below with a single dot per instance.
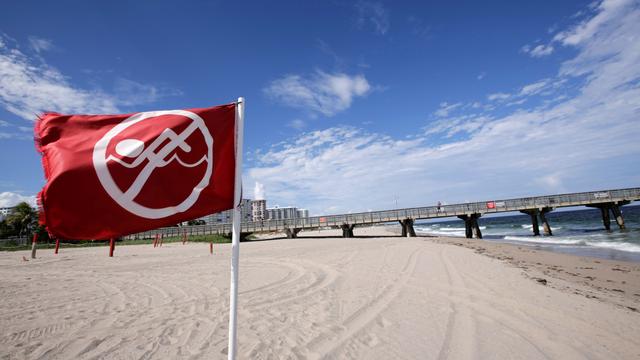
546 240
458 229
620 246
615 245
430 231
530 226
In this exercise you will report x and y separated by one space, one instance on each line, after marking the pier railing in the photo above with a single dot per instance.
428 212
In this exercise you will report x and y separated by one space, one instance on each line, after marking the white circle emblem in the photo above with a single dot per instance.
155 153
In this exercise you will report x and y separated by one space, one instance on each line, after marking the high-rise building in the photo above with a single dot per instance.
226 216
288 212
259 209
303 213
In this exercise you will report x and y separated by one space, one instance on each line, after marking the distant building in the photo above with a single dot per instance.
259 210
303 213
226 217
4 211
288 212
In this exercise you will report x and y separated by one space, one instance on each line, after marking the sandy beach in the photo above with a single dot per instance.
320 297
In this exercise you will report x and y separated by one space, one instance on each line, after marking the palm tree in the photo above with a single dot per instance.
22 218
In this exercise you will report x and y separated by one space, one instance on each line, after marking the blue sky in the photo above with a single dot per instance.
351 106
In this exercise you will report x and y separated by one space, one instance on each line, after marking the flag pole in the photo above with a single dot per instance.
235 233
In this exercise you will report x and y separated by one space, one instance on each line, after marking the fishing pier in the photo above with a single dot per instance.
608 201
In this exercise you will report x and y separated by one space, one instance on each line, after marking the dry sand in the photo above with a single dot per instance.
364 298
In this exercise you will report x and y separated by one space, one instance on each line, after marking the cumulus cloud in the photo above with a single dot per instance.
320 92
9 199
585 139
30 86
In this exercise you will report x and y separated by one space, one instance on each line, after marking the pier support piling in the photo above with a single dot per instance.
475 227
292 233
407 228
545 224
618 215
606 219
471 227
614 207
347 230
533 213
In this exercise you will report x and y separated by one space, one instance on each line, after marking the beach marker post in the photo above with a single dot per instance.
34 241
235 233
211 247
57 246
112 245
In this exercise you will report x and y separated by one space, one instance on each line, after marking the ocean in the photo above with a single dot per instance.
578 232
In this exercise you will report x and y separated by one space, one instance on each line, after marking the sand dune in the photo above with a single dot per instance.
364 298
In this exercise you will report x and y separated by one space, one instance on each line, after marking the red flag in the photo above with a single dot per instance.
112 175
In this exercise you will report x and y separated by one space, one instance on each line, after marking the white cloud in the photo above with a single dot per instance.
498 96
40 44
297 124
321 92
446 108
534 88
29 87
586 138
9 199
605 20
373 13
481 75
539 50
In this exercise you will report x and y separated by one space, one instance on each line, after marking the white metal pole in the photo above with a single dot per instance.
235 233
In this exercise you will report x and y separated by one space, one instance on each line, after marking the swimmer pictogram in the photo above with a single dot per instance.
132 153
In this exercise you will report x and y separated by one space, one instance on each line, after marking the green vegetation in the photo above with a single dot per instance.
22 221
217 239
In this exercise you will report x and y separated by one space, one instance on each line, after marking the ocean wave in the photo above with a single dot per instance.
458 229
530 226
621 246
430 231
545 240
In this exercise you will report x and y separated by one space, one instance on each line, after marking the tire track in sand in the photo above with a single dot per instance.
469 305
325 344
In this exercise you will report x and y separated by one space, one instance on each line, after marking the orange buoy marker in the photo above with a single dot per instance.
57 246
112 245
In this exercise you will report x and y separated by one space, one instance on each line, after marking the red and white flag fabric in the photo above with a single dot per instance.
112 175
